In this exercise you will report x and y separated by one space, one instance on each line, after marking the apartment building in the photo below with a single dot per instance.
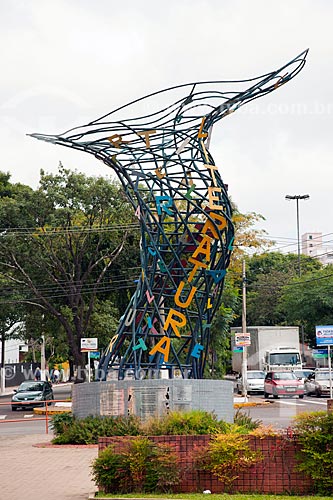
315 246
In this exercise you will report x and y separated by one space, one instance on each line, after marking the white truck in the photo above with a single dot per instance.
272 348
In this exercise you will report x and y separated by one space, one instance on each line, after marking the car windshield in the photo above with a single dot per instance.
284 376
322 376
285 358
302 373
30 386
255 375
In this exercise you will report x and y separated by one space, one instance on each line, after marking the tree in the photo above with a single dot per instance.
74 229
267 273
308 300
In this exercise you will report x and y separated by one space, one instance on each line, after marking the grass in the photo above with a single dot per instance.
219 496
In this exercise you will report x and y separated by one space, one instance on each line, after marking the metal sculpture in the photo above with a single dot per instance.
163 161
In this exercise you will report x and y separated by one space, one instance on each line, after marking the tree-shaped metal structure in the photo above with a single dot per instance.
158 146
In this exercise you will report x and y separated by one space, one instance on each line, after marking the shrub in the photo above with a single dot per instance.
142 467
182 423
89 429
244 420
72 430
314 433
226 456
61 422
110 471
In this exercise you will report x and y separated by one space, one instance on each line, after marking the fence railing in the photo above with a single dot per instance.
40 404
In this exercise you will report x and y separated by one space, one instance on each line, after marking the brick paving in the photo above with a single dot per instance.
28 472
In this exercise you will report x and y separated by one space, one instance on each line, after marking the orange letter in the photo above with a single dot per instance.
184 305
213 198
147 133
163 350
159 174
116 140
204 247
209 225
212 168
197 264
200 133
173 323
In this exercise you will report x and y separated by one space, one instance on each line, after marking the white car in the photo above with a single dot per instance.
255 382
318 383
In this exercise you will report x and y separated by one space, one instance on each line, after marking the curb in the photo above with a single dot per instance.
63 446
92 496
51 411
258 403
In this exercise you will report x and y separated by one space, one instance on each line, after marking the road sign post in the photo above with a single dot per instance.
88 345
324 336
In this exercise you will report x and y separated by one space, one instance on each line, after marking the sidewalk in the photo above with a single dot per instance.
28 472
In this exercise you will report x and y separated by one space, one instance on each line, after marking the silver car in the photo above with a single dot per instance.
255 382
303 374
318 383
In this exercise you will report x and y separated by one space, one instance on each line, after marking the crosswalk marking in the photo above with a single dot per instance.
293 403
2 417
28 416
317 402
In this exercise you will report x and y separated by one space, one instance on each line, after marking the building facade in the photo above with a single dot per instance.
314 246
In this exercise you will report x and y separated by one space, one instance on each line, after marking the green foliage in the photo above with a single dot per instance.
314 432
73 230
244 420
181 423
89 429
226 456
71 430
266 275
310 300
142 467
61 422
109 471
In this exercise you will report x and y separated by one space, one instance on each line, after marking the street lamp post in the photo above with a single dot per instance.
298 197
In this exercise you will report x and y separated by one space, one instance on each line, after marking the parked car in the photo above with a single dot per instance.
283 383
302 375
318 383
255 382
36 393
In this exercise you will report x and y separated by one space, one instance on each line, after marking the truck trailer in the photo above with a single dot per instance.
272 348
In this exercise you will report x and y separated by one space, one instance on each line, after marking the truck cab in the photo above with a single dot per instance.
286 358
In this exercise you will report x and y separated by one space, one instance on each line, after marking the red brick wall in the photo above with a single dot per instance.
274 474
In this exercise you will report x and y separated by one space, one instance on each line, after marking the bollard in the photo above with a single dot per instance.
330 406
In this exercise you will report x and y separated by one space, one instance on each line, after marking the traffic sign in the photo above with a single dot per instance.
89 344
242 339
238 348
324 335
319 353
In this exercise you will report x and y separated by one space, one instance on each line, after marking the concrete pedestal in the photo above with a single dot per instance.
146 398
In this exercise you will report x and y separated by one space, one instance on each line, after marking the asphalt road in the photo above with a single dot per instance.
280 413
26 421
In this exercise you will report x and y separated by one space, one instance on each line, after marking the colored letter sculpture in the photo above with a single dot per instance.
164 164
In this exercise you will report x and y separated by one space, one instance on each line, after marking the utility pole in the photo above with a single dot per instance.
244 358
3 369
42 359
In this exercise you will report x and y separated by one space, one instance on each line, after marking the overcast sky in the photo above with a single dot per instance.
67 62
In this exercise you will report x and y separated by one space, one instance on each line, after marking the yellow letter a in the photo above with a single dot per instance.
163 350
